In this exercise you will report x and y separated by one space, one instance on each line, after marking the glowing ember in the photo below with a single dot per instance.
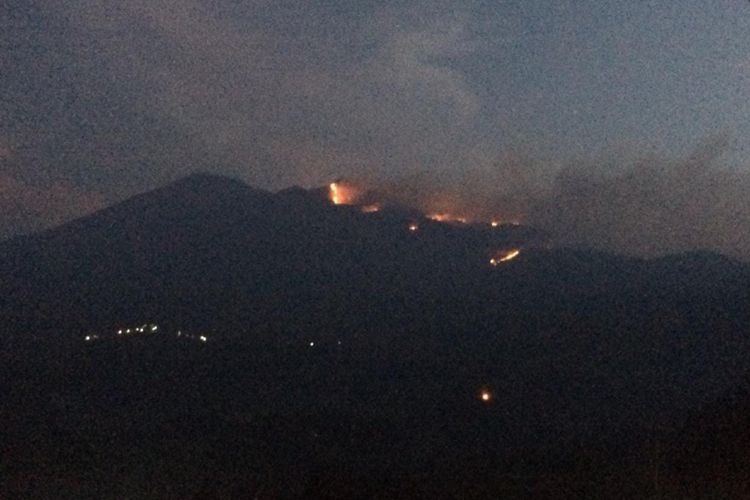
440 217
494 223
413 227
504 257
485 396
443 217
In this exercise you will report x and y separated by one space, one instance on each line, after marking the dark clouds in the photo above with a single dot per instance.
486 98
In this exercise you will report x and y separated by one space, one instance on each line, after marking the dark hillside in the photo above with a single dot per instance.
307 349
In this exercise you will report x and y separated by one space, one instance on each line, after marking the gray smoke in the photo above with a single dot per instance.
652 206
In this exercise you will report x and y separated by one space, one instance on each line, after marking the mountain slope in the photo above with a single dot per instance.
340 336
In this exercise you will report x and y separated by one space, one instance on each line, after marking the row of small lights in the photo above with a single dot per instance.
143 329
484 395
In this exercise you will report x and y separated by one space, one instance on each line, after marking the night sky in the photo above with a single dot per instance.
622 125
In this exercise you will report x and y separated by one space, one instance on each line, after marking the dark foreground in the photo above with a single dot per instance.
157 418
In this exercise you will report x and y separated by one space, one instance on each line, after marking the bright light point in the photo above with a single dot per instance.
494 223
203 338
413 227
127 331
154 328
312 344
119 332
88 337
485 396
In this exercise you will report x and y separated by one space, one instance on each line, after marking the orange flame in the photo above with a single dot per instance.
445 217
504 257
342 194
335 193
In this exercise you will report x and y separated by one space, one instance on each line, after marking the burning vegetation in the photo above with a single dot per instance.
504 256
446 217
435 206
343 193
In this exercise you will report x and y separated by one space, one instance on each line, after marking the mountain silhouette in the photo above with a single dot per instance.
373 331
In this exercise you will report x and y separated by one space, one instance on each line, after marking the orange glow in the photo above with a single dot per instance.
413 227
371 208
343 193
444 217
485 396
335 193
494 223
504 257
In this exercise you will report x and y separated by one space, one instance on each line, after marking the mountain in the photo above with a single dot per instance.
206 243
348 347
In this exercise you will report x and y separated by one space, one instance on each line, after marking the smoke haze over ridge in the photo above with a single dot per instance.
642 206
482 108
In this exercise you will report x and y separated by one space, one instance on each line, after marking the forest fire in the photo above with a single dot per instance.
445 209
445 217
504 257
342 194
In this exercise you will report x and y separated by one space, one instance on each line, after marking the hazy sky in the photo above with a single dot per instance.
100 99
